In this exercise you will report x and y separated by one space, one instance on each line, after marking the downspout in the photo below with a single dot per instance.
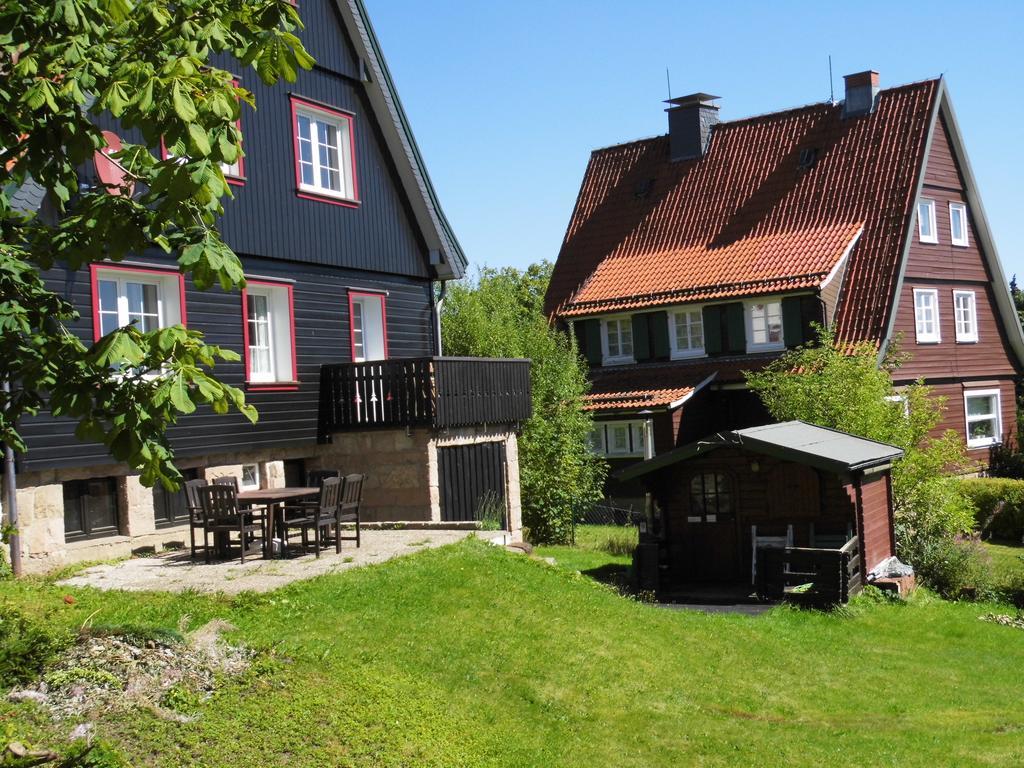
438 307
11 498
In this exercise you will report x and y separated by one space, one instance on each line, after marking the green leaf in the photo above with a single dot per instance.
183 104
200 141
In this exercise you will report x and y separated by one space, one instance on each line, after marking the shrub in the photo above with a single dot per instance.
1000 505
955 568
26 646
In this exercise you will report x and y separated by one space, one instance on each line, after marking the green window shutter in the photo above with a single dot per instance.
588 339
713 329
812 310
792 321
658 326
641 340
736 328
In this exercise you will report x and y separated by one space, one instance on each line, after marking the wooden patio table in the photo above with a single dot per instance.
275 498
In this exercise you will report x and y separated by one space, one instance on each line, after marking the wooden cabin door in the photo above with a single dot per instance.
710 535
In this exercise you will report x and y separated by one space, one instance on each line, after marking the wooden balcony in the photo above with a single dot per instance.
436 392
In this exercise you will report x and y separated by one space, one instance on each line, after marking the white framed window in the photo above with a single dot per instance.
268 332
324 158
982 413
149 299
368 319
899 401
958 224
617 340
764 326
250 477
926 228
966 315
619 439
926 316
686 332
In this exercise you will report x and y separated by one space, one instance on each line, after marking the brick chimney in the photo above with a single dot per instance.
861 93
690 120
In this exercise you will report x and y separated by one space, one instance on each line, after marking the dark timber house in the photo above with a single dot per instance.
343 243
696 255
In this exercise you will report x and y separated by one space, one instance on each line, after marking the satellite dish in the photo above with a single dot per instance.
111 172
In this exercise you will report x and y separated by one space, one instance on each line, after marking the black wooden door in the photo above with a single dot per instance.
472 482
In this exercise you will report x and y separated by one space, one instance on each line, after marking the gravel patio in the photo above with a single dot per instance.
177 572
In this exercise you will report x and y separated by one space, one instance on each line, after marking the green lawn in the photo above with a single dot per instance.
472 656
1007 560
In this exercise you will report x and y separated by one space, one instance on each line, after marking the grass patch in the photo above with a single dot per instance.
471 656
1007 560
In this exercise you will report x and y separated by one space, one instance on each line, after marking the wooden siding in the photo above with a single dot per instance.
875 523
286 418
953 416
266 218
947 268
757 501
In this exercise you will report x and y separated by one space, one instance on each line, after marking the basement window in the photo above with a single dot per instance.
958 224
250 477
90 508
926 228
981 410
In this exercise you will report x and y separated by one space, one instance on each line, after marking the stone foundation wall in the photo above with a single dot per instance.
401 485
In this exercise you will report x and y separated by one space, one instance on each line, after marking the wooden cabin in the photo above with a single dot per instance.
818 496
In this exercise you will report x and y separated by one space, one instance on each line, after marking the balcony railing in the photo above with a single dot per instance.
435 392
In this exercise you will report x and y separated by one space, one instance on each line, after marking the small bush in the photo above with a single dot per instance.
957 569
26 646
1000 505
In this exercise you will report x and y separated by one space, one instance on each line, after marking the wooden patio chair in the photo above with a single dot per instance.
319 517
766 541
222 515
349 509
316 476
195 511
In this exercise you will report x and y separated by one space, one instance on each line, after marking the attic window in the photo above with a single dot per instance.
808 158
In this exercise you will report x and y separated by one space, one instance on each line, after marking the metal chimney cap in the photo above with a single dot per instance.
694 99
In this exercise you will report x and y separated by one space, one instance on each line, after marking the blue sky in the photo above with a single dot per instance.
508 99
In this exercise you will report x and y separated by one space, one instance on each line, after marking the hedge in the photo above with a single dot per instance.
987 493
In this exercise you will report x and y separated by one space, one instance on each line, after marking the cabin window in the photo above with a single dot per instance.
926 228
965 311
687 333
147 299
619 439
617 338
982 411
269 334
710 497
368 313
90 508
958 224
765 323
250 477
926 315
324 157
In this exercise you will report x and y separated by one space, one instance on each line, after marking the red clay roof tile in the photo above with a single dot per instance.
746 219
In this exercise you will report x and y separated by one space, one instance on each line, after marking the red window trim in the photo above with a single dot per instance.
269 386
352 295
230 178
94 289
306 194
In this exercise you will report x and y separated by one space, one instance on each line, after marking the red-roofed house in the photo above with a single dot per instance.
693 256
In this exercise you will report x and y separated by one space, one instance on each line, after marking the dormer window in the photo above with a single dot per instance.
617 340
926 228
765 324
687 332
958 224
